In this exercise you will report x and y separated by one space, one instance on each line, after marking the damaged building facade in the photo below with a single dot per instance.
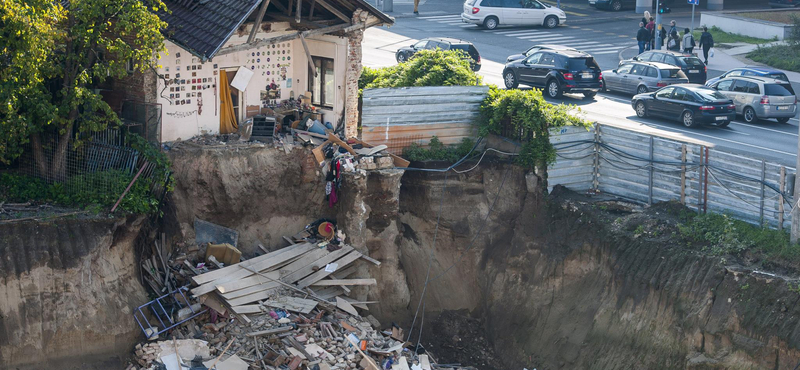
227 61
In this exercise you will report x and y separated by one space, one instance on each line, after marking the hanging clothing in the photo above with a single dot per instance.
227 117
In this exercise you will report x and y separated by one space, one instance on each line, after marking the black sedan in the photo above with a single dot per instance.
689 103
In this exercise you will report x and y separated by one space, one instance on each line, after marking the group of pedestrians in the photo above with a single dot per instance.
671 38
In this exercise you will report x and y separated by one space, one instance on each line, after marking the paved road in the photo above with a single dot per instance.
607 36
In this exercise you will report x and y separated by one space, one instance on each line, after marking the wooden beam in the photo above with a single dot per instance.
289 8
304 23
280 6
333 10
257 25
333 282
311 11
308 55
297 11
280 38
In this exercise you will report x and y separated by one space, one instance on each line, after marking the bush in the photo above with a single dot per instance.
426 68
437 151
779 56
530 118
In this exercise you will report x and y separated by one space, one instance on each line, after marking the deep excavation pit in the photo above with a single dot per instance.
552 281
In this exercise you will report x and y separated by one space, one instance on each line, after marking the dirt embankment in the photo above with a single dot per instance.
560 283
66 291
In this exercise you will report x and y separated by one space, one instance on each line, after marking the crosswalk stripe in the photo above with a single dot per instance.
527 33
583 43
609 48
467 25
451 22
558 38
441 16
605 52
504 32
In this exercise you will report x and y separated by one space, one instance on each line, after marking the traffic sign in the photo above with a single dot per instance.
694 2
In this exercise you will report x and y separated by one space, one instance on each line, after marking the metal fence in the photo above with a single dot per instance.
143 119
447 112
648 168
92 166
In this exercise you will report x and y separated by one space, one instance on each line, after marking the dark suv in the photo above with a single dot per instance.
557 71
615 5
694 68
433 43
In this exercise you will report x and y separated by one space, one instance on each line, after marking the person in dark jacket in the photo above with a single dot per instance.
642 37
674 41
706 42
662 34
651 27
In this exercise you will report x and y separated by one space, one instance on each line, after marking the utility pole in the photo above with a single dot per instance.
795 231
658 25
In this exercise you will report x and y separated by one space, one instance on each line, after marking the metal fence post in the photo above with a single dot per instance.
780 198
596 165
650 183
763 178
700 182
705 183
683 174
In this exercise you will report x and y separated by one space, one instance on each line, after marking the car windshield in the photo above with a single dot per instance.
672 73
779 76
580 64
532 50
693 62
708 94
778 89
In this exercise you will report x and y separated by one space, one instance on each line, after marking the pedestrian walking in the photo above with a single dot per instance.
646 17
688 41
674 42
651 27
706 42
416 5
642 37
662 34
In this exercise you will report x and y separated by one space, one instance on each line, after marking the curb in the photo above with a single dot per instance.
619 55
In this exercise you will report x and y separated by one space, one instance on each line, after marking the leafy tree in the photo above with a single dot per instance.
51 58
426 68
525 115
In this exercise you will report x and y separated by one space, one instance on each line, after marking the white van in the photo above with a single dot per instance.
492 13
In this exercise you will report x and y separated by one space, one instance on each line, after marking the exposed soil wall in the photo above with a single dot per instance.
560 284
68 289
259 191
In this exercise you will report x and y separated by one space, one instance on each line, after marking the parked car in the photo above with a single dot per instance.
492 13
536 48
694 68
751 71
784 3
405 53
691 104
615 5
641 77
557 71
759 97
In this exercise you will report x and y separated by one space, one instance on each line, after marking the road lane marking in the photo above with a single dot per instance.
764 128
550 39
440 16
518 33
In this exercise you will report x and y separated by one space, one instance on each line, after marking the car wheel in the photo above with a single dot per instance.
603 85
641 89
641 109
553 89
783 120
551 22
688 119
490 23
401 58
510 80
749 115
616 5
589 94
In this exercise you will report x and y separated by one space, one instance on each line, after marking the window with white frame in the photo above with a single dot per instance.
322 86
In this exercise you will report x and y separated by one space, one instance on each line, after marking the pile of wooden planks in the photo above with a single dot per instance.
251 285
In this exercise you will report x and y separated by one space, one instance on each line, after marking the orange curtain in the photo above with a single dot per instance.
227 118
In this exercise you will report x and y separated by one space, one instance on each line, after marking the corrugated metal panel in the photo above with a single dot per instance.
447 112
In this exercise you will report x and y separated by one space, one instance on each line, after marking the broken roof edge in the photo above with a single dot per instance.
239 24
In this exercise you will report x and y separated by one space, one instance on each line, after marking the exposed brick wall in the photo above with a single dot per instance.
352 74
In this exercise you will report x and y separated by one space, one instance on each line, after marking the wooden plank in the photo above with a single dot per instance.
370 259
333 10
247 282
346 306
253 308
345 282
318 264
424 362
292 304
355 303
281 329
341 143
271 286
259 17
308 53
328 292
213 275
398 161
321 273
305 261
245 272
280 38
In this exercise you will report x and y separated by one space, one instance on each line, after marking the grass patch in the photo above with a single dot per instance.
437 151
780 16
722 37
722 235
778 56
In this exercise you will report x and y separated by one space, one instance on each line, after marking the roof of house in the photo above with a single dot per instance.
204 26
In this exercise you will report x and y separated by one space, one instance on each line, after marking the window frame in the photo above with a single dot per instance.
324 101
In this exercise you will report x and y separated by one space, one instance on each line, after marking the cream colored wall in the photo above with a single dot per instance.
200 114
